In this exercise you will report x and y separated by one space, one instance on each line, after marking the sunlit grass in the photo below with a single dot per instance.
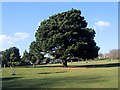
59 77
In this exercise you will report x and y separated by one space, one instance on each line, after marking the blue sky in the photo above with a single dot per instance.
21 20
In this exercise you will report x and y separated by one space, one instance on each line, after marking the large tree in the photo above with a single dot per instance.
66 34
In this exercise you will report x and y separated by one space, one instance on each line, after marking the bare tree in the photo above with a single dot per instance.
113 53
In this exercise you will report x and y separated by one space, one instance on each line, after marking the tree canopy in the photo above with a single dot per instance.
25 55
66 34
10 56
35 50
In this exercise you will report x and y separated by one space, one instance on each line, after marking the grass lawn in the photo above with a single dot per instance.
100 74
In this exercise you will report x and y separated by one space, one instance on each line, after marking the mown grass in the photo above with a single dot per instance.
54 76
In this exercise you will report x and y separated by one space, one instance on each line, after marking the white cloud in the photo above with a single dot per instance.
20 36
8 41
5 41
4 38
101 25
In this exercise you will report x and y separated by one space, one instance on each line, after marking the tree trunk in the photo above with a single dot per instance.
33 65
86 61
38 61
12 70
4 65
65 63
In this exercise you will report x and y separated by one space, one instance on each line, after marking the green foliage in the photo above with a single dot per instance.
35 50
25 58
32 58
11 56
28 57
66 33
25 55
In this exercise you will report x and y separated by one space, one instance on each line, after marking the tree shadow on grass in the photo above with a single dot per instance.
100 65
61 72
9 78
47 66
84 66
45 73
51 72
59 82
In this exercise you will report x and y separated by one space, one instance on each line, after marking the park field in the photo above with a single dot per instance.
100 74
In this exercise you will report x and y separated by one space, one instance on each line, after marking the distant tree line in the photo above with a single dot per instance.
11 57
112 54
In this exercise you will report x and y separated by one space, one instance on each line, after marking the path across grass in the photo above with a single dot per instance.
55 76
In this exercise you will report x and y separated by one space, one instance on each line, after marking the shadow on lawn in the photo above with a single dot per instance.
85 66
9 78
46 66
55 82
52 72
100 65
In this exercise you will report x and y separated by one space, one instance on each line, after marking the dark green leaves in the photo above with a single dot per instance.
11 55
66 34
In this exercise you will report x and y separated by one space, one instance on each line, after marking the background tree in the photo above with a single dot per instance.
66 34
113 53
36 51
26 58
118 53
32 59
14 55
25 55
0 58
101 55
11 56
5 57
12 62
